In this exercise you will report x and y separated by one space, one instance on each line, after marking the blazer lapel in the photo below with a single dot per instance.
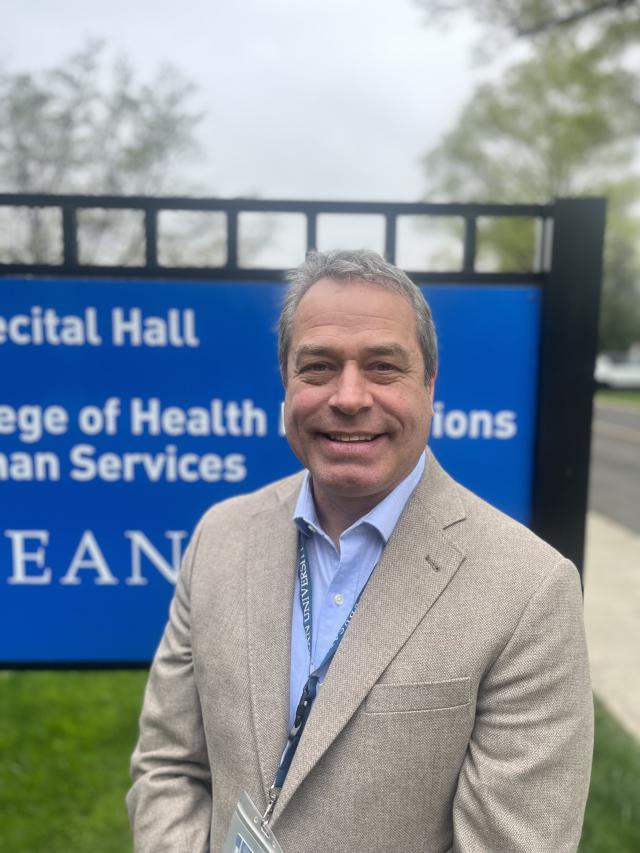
270 575
416 566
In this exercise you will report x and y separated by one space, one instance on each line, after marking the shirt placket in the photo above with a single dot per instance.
343 584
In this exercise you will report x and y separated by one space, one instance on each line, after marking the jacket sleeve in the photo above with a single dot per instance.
524 782
170 801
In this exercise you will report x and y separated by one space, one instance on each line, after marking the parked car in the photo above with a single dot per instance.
619 369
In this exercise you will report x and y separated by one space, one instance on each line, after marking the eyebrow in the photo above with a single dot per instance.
388 350
317 350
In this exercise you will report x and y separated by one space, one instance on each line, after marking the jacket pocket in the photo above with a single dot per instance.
426 696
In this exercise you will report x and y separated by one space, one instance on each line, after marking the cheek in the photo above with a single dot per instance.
415 415
298 405
408 407
302 402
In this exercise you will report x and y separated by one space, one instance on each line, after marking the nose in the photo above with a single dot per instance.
351 392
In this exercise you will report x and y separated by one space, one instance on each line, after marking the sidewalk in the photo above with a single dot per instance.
612 617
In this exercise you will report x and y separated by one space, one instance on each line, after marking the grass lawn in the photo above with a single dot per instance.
66 737
628 397
65 740
612 820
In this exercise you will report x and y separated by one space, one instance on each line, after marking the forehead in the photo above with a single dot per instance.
353 310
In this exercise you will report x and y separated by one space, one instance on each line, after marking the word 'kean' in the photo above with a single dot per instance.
29 562
129 327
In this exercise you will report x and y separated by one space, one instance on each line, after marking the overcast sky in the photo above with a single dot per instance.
303 98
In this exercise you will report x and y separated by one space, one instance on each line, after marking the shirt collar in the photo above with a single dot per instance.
383 517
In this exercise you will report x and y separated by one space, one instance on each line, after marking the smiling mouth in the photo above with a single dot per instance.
350 438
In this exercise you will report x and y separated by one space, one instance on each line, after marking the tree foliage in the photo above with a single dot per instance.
562 122
90 126
565 121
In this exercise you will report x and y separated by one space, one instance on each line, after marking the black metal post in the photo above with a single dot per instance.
151 237
312 232
569 329
390 237
469 258
232 238
69 236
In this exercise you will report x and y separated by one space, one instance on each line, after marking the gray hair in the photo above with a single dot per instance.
361 265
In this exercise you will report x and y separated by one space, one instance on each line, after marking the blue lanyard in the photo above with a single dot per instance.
304 576
310 689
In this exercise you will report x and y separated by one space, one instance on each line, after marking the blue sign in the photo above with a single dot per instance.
128 408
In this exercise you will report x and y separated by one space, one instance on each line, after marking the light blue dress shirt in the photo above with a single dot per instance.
337 577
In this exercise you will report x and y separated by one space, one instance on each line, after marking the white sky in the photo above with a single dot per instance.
304 98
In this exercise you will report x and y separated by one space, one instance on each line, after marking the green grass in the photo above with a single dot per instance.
612 820
628 397
66 737
65 740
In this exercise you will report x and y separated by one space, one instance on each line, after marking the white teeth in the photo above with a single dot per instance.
350 438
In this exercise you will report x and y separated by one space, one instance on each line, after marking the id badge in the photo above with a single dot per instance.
246 833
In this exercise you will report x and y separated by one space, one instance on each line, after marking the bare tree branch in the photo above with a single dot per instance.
573 18
525 18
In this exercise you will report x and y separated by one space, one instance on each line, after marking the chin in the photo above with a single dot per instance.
351 484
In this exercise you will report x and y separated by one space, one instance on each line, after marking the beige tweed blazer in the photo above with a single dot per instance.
456 715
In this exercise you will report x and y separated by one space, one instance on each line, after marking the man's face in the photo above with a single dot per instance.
357 410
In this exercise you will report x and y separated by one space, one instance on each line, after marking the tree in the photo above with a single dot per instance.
533 17
565 121
620 306
89 126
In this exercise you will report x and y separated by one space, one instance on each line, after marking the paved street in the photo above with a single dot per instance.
615 464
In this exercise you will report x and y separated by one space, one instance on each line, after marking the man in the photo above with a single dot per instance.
456 711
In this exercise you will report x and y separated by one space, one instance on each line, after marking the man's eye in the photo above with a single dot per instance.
316 367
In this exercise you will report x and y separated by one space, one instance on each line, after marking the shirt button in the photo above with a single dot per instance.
339 599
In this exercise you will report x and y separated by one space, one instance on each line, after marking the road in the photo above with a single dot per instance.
614 488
